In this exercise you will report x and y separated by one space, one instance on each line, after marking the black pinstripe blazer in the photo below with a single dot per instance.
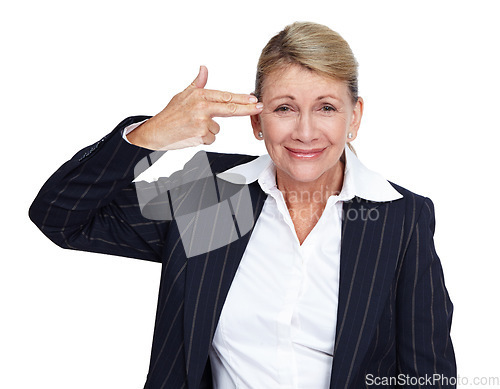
394 313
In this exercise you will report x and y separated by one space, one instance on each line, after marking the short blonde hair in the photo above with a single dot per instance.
313 46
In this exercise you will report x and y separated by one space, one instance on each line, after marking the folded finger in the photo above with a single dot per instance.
213 127
208 139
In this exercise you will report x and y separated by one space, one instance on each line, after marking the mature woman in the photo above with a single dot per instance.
315 272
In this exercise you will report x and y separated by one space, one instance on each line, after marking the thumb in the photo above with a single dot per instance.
201 79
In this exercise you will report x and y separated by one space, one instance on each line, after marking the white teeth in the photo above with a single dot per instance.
306 155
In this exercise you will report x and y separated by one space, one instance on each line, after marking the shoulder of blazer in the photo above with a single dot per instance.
414 208
407 193
413 201
417 212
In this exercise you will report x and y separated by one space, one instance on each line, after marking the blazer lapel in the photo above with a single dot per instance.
369 254
208 278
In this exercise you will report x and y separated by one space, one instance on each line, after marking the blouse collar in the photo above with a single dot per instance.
358 179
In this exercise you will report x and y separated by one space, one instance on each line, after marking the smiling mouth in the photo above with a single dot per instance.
305 154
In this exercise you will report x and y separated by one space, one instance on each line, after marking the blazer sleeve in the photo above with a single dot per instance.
90 202
424 312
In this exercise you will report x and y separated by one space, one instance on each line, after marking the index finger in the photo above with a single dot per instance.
234 109
217 96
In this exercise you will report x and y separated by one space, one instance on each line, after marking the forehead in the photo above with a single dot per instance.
295 79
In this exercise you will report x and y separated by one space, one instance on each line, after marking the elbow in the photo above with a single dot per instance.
36 215
56 235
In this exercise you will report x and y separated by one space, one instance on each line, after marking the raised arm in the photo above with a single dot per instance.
90 202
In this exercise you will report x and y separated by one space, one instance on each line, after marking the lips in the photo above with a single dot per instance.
305 153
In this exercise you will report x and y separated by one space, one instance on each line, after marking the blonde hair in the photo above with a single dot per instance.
313 46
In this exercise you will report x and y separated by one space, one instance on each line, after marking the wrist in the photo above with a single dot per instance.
143 136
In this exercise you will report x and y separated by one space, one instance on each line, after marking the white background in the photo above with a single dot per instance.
70 71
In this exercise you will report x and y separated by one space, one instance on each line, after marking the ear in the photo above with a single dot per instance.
357 114
256 125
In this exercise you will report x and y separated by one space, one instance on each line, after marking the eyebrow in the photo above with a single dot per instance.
282 97
331 96
293 98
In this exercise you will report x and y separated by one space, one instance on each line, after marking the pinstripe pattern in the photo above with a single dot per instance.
392 265
369 297
394 313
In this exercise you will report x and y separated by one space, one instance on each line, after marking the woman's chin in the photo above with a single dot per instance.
301 175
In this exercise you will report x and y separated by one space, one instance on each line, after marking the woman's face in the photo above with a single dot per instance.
305 122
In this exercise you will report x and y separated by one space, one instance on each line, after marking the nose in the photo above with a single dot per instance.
305 130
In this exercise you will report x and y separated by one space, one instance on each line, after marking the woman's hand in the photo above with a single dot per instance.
187 120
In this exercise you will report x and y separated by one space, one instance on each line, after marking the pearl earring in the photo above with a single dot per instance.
349 135
260 134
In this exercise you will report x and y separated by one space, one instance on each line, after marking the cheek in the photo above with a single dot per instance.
336 126
332 129
277 129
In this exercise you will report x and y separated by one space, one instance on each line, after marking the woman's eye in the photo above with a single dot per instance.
328 108
286 108
283 108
